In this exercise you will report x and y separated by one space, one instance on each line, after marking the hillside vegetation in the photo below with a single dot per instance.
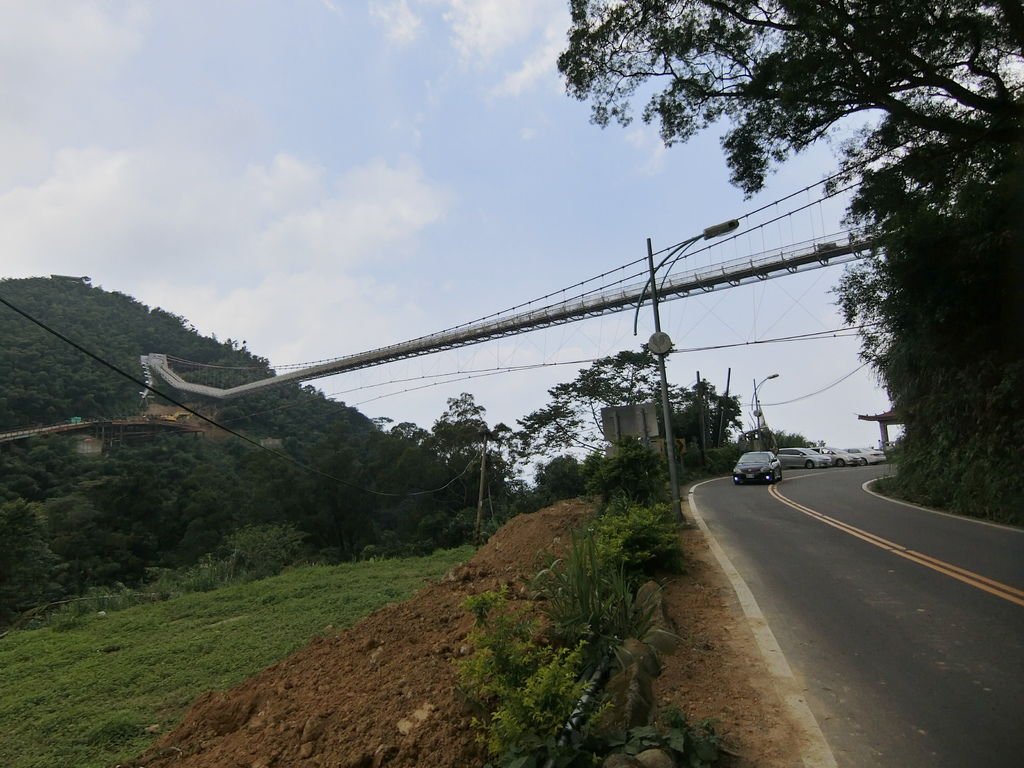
337 485
83 691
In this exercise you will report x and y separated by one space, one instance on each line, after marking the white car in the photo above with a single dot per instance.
867 455
840 458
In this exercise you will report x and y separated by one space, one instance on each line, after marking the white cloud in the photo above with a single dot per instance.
541 64
49 49
402 25
247 254
104 209
647 141
330 6
483 29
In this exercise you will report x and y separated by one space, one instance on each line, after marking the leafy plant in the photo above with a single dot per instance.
529 689
691 746
591 598
633 471
264 550
643 538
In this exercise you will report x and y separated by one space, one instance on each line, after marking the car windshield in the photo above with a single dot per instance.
747 458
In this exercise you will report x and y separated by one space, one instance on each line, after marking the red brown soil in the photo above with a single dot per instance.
383 692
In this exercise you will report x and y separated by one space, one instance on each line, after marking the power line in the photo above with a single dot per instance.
102 361
633 276
835 333
823 389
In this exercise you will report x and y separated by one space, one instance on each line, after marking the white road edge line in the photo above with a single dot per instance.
964 518
816 751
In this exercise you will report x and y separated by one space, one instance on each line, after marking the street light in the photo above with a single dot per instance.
661 344
758 414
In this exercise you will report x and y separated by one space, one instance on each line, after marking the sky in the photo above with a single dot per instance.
318 178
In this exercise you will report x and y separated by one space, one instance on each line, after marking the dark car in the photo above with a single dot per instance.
757 467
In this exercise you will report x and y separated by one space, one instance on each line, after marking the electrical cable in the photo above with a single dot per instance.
632 276
823 389
212 422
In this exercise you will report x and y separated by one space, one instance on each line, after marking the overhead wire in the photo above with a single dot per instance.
835 333
279 454
835 383
633 276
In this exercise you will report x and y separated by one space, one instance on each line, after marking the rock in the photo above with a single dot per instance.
655 758
154 728
407 725
307 749
312 729
631 689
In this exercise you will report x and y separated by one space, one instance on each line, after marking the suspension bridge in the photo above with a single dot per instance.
107 431
820 252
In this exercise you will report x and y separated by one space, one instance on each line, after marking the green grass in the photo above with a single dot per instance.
82 692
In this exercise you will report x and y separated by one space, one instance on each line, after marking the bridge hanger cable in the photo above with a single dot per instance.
632 276
216 424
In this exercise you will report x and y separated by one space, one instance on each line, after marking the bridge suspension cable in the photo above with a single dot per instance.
834 249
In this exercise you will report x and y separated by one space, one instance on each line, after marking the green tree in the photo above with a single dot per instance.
572 419
559 478
26 562
632 471
929 95
785 439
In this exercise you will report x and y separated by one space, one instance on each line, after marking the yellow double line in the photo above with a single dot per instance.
997 588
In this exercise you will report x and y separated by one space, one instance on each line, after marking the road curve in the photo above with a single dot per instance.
906 627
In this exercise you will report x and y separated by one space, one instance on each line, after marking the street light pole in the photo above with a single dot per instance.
758 413
660 344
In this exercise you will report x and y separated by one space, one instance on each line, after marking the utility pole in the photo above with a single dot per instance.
721 409
700 422
480 496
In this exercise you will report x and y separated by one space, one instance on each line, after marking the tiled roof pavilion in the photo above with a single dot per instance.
884 420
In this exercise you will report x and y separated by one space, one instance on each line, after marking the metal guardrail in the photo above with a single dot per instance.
804 256
21 434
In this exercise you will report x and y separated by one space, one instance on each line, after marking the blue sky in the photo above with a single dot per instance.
319 177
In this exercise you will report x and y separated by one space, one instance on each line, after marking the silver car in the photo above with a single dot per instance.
803 457
841 458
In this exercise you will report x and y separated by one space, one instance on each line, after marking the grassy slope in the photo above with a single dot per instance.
84 695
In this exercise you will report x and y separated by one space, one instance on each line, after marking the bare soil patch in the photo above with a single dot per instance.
383 693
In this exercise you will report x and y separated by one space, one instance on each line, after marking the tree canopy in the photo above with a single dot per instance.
785 72
572 419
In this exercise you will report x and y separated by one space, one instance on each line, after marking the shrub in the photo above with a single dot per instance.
644 539
633 471
264 550
722 460
589 597
694 746
530 689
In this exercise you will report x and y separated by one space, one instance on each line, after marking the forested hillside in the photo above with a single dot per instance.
335 487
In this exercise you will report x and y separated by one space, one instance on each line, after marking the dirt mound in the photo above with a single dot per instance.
382 693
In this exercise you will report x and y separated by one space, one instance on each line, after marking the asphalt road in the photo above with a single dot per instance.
905 626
